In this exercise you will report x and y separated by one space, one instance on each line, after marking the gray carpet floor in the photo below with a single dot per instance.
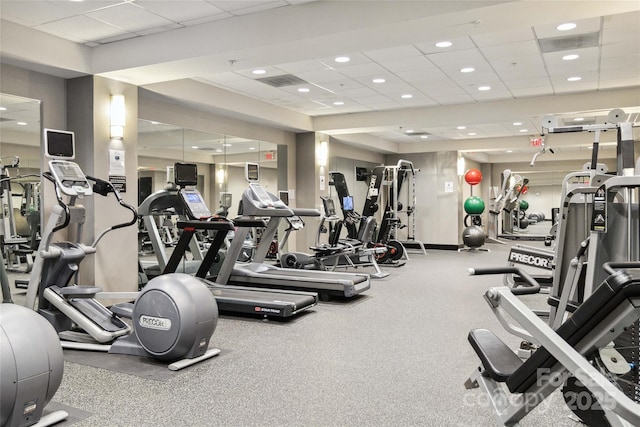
397 356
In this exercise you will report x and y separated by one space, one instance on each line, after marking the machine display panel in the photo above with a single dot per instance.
59 144
185 174
347 203
252 172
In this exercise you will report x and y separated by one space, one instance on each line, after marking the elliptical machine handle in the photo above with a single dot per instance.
103 188
67 214
533 287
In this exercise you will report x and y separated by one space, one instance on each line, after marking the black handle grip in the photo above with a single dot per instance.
533 287
612 267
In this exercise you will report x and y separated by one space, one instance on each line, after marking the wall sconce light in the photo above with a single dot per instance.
322 153
117 117
220 175
461 166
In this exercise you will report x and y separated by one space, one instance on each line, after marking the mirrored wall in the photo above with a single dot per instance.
220 159
20 169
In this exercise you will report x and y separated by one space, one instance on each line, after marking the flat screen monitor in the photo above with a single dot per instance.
284 196
361 173
347 203
252 172
185 174
225 200
329 206
59 144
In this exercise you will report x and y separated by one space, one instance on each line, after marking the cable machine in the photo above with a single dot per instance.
394 178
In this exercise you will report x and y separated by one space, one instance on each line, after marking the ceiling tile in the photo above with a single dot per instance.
80 7
128 17
452 62
627 48
354 59
462 43
452 99
520 67
302 66
180 11
532 91
398 65
80 26
629 19
510 50
16 11
360 70
393 53
321 76
511 36
520 83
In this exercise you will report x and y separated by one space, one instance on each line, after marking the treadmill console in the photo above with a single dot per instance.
194 203
69 178
264 199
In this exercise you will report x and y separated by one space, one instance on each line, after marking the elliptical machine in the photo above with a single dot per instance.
172 319
31 365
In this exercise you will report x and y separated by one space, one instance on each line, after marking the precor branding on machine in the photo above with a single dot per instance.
151 322
526 258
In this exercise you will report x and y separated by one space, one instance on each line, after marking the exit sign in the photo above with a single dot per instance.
536 142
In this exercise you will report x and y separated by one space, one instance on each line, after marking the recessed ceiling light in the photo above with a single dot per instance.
467 70
195 147
461 127
21 123
578 119
484 88
338 103
226 145
303 89
517 123
155 123
406 96
424 136
218 150
566 26
524 130
259 71
471 134
444 44
409 131
378 80
3 108
574 79
342 59
252 148
509 151
571 57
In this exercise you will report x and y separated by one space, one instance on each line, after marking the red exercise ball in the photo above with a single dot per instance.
473 177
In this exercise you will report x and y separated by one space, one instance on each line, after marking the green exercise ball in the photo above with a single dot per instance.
474 205
524 205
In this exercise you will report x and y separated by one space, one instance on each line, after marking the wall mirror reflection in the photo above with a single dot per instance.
20 180
220 161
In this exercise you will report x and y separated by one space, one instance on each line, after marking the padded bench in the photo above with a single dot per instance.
501 363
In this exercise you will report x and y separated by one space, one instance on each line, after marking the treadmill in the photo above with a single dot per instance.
256 203
163 202
231 299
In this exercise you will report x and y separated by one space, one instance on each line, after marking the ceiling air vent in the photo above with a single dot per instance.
579 41
282 80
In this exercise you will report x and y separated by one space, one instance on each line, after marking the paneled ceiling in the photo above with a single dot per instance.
505 66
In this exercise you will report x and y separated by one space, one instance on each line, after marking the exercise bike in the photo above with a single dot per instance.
172 319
